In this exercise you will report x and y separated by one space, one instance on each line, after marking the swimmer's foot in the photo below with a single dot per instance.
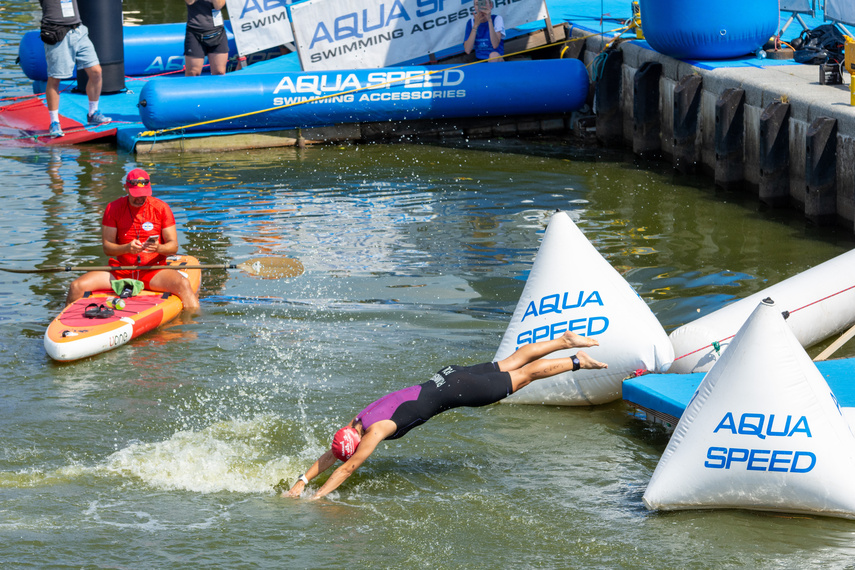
573 340
587 362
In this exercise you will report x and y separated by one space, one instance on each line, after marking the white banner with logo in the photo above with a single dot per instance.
358 34
259 24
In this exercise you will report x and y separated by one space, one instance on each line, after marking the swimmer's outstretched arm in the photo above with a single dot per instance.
369 442
366 447
323 463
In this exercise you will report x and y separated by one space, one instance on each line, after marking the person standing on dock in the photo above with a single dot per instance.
67 43
395 414
485 33
205 35
138 229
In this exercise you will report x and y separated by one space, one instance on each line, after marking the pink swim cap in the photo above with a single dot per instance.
344 443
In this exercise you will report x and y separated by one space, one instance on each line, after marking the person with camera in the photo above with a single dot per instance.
485 33
205 36
137 229
67 44
454 386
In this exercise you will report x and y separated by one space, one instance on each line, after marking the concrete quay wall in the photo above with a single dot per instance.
772 130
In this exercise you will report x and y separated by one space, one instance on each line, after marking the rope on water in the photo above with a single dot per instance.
716 345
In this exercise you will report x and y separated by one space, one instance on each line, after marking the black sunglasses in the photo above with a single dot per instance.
138 182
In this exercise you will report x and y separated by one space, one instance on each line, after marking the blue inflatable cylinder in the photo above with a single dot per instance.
148 50
364 95
700 29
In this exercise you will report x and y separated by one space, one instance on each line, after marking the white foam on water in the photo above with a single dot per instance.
234 455
123 514
238 456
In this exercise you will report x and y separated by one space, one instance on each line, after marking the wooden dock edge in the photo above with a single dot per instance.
420 130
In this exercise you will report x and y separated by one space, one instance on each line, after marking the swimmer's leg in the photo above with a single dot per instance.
531 352
546 367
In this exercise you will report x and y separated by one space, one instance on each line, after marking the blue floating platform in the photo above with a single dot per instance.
24 119
665 396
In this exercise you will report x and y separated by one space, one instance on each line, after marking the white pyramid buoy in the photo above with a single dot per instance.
572 287
763 431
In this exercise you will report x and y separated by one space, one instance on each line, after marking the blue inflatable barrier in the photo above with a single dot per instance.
364 95
149 50
695 29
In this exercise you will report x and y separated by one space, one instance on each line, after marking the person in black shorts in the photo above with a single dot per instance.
205 35
395 414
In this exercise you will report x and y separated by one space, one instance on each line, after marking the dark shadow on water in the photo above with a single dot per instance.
580 151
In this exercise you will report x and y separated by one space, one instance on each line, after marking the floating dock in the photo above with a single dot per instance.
664 397
778 130
24 120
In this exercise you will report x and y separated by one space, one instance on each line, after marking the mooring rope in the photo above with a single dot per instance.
716 344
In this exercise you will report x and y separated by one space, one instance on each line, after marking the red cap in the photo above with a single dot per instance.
138 183
344 443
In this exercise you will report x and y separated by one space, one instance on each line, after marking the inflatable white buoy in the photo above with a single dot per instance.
820 302
763 431
572 287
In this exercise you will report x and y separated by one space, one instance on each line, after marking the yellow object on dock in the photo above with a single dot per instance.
636 20
849 62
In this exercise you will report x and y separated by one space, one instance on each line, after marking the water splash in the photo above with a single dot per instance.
238 456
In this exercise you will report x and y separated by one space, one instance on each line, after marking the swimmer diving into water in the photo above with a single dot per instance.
395 414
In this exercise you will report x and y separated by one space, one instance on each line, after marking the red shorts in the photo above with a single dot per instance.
144 276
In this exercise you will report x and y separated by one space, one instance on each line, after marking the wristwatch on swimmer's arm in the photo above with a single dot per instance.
303 478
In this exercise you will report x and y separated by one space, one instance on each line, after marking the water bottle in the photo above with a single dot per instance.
115 303
761 54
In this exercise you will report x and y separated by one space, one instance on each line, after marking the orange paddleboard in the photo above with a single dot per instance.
73 335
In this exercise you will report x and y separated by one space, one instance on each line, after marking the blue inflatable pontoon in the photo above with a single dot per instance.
313 99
